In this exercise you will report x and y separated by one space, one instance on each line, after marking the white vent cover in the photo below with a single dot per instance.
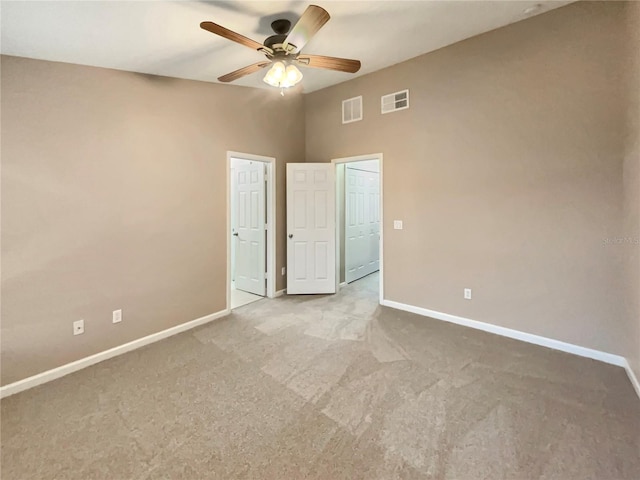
352 109
394 102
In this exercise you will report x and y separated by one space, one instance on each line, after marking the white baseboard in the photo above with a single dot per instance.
280 293
516 334
63 370
632 377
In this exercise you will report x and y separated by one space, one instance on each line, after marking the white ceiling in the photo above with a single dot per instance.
164 38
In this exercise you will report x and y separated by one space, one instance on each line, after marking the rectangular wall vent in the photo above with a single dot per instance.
394 101
352 109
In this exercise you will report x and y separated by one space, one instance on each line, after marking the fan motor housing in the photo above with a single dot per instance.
281 28
274 40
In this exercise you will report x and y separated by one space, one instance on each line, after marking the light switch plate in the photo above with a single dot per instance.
116 317
397 224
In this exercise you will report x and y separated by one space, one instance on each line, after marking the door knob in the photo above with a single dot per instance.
291 235
235 234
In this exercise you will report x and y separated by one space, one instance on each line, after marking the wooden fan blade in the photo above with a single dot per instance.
330 63
241 72
310 22
231 35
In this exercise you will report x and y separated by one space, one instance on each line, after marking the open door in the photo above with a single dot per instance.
362 219
250 228
311 237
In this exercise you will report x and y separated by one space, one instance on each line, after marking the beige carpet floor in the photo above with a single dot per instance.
329 387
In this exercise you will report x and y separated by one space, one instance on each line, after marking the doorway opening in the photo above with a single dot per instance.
250 228
359 227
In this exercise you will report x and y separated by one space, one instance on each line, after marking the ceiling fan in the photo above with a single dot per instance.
283 50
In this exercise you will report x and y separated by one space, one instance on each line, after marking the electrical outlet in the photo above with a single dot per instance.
284 271
467 293
78 327
397 225
117 316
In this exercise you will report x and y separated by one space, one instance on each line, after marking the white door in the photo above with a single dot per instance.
311 241
250 228
362 219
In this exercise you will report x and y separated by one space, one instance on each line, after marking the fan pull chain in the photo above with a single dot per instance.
281 91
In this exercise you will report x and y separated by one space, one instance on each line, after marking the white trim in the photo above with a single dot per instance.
271 220
342 284
63 370
359 158
516 334
280 293
632 377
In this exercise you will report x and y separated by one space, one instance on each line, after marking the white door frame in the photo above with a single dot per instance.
270 218
360 158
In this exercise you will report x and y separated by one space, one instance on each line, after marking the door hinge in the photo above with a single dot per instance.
266 226
266 275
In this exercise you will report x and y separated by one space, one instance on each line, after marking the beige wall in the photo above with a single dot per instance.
114 196
631 231
507 173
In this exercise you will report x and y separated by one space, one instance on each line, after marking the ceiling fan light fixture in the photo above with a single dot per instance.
276 74
293 74
278 70
281 76
268 78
